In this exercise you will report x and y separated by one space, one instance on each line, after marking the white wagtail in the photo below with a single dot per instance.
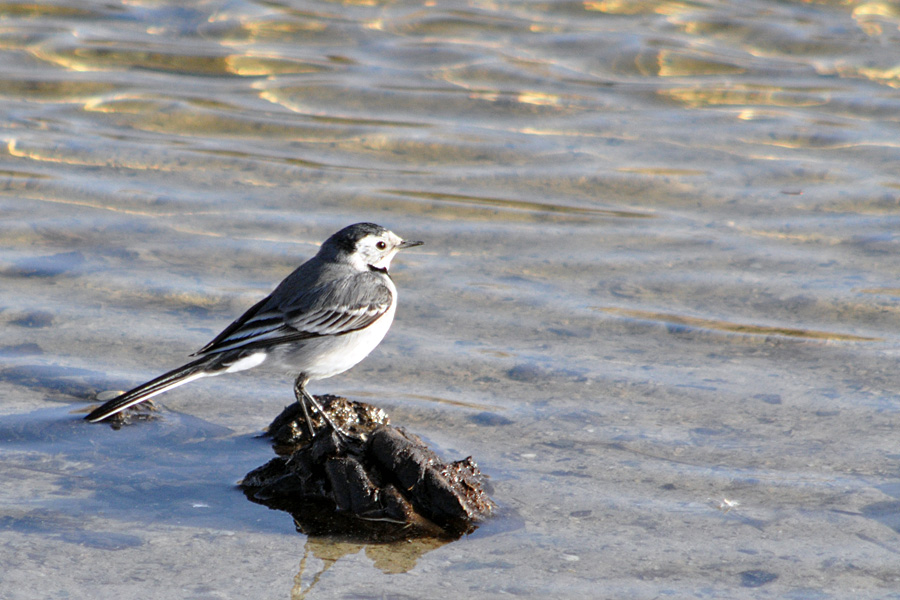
321 320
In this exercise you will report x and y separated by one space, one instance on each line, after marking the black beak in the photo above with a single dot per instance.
408 244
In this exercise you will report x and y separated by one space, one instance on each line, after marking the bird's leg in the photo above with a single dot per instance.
300 395
303 397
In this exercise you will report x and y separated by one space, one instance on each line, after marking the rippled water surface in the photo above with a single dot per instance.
659 301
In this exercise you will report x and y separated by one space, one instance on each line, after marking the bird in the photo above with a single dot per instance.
321 320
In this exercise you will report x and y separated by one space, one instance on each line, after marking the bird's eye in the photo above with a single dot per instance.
381 245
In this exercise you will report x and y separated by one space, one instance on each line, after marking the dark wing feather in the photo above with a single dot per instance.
335 308
231 329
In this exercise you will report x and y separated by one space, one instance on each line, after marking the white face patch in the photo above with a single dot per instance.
385 261
368 253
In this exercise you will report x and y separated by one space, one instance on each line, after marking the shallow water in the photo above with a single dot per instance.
658 301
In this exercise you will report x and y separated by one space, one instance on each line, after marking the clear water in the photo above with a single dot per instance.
659 301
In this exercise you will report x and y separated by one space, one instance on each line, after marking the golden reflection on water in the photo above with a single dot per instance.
683 63
730 327
41 9
54 90
249 31
637 7
539 98
250 65
111 56
453 402
23 174
79 156
665 171
870 15
519 205
186 117
718 95
889 76
885 291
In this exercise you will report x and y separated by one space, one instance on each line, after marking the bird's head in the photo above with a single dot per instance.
366 246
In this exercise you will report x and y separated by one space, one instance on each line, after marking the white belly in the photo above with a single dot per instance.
320 358
348 350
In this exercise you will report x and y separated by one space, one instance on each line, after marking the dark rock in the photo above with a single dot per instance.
373 482
450 495
490 419
289 430
47 266
34 320
757 578
145 411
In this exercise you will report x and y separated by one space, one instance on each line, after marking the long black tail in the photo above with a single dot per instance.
201 367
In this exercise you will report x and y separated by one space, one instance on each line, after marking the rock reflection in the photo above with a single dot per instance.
397 557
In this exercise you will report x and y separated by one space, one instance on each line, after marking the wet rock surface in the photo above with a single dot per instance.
145 411
373 481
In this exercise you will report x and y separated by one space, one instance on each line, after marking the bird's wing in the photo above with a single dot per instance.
334 308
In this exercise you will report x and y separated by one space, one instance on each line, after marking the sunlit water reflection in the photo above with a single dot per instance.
658 301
